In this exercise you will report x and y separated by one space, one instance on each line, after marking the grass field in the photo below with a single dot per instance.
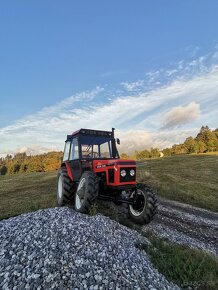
191 179
26 192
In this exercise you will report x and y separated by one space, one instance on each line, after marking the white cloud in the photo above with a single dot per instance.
132 140
180 115
133 86
171 72
153 75
138 118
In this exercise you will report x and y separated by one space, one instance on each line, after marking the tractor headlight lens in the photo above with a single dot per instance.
123 173
132 172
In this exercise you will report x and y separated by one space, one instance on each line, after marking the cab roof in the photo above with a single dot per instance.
91 133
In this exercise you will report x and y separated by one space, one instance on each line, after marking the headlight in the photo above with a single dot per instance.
123 173
132 172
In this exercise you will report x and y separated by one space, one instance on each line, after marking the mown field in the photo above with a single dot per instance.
21 193
191 179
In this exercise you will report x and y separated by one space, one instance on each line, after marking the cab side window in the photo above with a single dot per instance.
66 151
74 154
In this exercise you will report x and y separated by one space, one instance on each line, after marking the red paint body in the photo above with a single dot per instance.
69 172
104 165
107 170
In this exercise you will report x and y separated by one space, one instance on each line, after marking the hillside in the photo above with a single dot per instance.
26 192
23 163
190 179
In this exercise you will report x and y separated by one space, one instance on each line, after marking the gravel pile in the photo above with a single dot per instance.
61 249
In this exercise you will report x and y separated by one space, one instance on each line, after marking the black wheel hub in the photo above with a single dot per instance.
139 202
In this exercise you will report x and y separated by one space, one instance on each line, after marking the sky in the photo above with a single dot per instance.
147 68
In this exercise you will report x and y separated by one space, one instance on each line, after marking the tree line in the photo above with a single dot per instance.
21 163
205 141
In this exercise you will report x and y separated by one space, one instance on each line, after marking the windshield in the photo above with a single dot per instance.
96 150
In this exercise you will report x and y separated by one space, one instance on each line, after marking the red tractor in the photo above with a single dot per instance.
92 169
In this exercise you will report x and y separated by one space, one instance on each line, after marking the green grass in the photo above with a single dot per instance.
191 179
184 266
26 192
206 153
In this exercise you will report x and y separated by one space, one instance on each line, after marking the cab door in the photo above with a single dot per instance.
74 160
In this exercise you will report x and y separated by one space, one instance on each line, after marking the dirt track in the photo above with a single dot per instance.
187 225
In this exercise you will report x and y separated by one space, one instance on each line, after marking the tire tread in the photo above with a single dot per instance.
151 206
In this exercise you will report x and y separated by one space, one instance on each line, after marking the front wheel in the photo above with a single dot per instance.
87 192
145 207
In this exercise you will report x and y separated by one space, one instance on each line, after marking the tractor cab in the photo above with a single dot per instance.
96 150
86 144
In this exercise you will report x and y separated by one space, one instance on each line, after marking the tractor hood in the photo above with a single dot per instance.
114 162
113 168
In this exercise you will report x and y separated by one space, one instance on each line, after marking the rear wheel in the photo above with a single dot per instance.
145 207
65 188
87 191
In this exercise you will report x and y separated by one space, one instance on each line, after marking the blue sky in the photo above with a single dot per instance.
148 68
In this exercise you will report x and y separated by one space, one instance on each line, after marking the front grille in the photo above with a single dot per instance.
128 177
111 175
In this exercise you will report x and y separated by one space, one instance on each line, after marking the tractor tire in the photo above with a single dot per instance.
146 205
65 188
87 192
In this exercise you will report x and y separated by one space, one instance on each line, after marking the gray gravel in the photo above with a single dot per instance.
184 224
61 249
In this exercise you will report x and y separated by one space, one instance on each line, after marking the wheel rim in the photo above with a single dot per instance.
79 196
139 207
60 187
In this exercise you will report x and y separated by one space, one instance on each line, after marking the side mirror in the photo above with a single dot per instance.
118 141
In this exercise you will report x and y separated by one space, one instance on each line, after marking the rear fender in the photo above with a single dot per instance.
69 170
